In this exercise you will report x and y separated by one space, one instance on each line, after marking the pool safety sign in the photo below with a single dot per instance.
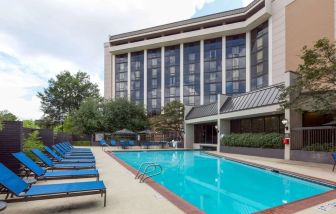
328 207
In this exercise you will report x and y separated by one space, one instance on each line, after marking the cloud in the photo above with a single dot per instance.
246 2
38 39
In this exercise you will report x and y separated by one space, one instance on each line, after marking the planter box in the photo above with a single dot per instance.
270 153
311 156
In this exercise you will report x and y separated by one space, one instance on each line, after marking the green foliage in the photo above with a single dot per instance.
121 113
255 140
30 124
65 127
88 118
65 94
320 147
314 89
171 118
31 142
6 116
81 143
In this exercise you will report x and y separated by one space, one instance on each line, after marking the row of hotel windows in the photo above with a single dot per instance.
235 70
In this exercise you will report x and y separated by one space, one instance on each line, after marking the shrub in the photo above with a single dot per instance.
254 140
31 142
81 143
320 147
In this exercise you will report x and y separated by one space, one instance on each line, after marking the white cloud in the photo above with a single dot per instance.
46 37
246 2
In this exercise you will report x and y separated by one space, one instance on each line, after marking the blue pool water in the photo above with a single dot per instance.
217 185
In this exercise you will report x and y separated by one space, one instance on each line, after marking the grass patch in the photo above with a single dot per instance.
81 143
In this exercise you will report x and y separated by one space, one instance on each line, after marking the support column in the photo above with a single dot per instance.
145 79
223 129
162 76
248 61
108 80
181 72
224 65
270 51
129 76
113 76
189 136
202 72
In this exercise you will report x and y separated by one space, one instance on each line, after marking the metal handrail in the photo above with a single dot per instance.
152 175
146 174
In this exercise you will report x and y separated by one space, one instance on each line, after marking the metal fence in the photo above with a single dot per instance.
314 138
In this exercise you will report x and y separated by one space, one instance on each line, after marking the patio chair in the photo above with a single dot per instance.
124 144
49 163
70 148
24 192
103 143
68 156
114 142
64 160
131 143
66 152
42 174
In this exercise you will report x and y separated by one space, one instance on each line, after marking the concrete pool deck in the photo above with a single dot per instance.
124 195
127 195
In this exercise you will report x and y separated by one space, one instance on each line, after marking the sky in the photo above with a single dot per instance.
39 39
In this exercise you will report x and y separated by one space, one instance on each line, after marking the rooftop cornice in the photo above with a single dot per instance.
180 24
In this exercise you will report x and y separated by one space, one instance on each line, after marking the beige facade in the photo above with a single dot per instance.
306 22
292 24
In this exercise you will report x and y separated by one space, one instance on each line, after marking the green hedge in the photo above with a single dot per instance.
320 147
254 140
81 143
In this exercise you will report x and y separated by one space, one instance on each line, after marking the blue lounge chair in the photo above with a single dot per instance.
103 144
67 156
25 192
71 147
114 142
131 143
51 164
74 150
64 160
42 174
66 152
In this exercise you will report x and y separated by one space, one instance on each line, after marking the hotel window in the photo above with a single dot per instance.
191 73
154 73
172 73
235 64
137 76
153 81
192 57
212 66
213 77
121 64
259 56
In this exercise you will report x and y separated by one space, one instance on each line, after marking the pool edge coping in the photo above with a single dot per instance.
297 205
179 202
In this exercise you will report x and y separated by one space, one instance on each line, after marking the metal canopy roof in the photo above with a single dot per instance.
202 111
254 99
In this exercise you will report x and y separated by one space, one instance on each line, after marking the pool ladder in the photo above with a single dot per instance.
149 167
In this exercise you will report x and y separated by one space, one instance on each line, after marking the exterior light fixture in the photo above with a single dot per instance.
216 127
285 122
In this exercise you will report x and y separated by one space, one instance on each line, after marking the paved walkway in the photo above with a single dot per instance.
124 195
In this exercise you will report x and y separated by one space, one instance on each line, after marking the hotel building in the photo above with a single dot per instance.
225 67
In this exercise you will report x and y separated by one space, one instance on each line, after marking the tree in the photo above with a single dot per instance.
88 118
30 124
5 115
65 94
171 118
121 113
315 85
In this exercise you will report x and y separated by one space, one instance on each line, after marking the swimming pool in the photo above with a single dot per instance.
218 185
